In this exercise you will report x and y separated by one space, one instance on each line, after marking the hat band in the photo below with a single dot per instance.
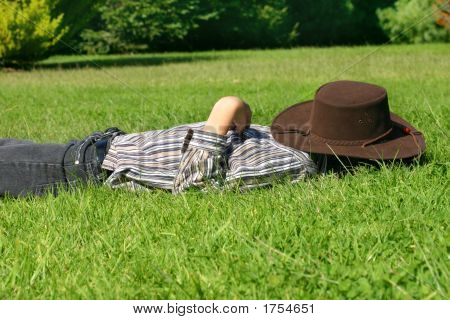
362 143
316 138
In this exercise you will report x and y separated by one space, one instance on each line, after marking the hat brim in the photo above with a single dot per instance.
396 145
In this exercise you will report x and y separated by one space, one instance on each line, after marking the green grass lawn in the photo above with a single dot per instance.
375 234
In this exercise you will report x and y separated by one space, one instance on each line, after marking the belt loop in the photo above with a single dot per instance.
102 145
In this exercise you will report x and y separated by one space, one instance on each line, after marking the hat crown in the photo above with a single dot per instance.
350 110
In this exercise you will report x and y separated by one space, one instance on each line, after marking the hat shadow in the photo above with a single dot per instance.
343 165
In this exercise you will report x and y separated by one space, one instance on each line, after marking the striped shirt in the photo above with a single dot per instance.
186 157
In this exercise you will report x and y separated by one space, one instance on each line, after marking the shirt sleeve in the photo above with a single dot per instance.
202 162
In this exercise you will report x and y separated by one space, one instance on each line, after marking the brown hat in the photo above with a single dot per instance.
348 118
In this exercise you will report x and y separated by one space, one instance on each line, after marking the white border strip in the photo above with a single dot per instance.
222 309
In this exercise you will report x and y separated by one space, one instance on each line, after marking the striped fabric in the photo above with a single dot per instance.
185 157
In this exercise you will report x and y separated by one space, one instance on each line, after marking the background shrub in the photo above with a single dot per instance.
344 22
136 25
30 29
405 22
77 16
443 14
242 24
27 31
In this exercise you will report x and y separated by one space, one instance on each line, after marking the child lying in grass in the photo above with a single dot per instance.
346 118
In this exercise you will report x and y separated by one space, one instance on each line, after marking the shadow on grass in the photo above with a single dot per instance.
345 165
122 61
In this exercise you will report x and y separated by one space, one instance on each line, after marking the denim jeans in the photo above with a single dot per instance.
29 168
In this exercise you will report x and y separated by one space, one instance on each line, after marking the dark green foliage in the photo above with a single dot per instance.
136 25
324 22
243 24
77 15
167 25
126 26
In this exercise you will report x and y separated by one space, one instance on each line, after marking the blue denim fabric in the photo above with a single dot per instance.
29 168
